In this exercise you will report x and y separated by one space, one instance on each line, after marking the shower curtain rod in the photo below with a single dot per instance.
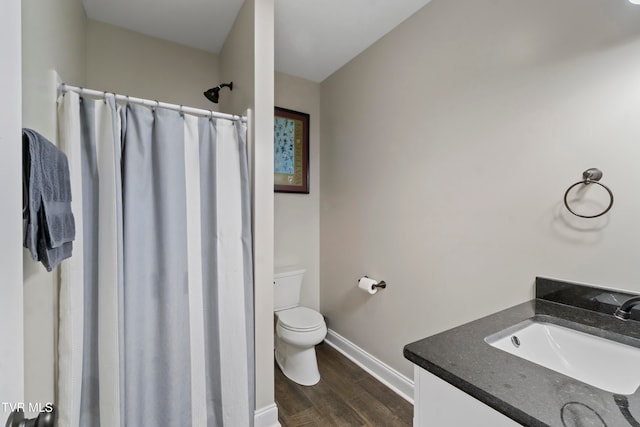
152 103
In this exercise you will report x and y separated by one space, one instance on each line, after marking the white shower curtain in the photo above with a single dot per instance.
156 305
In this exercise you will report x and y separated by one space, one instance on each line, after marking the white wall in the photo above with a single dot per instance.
262 130
11 323
52 41
247 59
130 63
237 62
297 216
446 150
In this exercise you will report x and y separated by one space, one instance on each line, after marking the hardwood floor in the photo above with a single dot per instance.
345 396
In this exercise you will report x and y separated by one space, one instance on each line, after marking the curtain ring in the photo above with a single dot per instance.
181 111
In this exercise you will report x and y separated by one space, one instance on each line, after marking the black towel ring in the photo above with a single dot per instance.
590 176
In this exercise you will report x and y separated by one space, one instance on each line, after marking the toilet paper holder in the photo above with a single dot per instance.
381 284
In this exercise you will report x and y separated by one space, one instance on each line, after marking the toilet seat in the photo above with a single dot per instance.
300 319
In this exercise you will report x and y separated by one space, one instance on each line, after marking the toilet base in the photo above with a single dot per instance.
297 363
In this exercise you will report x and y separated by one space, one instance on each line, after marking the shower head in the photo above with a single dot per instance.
213 94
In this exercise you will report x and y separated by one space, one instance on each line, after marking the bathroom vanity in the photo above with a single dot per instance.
462 379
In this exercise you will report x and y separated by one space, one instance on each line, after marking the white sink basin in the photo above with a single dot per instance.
602 363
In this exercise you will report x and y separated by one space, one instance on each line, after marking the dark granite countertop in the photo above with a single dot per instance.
528 393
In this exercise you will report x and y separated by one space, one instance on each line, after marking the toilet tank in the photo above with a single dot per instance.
287 282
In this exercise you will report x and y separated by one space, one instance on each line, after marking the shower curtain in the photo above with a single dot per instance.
156 304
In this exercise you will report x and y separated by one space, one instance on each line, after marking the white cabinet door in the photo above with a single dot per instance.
439 404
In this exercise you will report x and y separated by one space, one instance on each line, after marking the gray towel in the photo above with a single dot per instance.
50 227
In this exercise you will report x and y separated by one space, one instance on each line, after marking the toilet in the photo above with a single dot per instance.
298 329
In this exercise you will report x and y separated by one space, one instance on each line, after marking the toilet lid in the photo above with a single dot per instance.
300 319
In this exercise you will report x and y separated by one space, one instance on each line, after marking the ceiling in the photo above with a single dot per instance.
313 38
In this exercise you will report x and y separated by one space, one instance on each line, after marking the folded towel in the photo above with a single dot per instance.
50 226
51 257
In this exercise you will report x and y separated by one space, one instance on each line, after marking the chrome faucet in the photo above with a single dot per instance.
623 312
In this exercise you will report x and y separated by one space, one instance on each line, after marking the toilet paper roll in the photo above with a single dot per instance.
367 285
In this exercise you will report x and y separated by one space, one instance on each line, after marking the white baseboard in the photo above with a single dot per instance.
266 416
384 373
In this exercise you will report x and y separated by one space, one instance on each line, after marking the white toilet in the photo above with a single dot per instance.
298 329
